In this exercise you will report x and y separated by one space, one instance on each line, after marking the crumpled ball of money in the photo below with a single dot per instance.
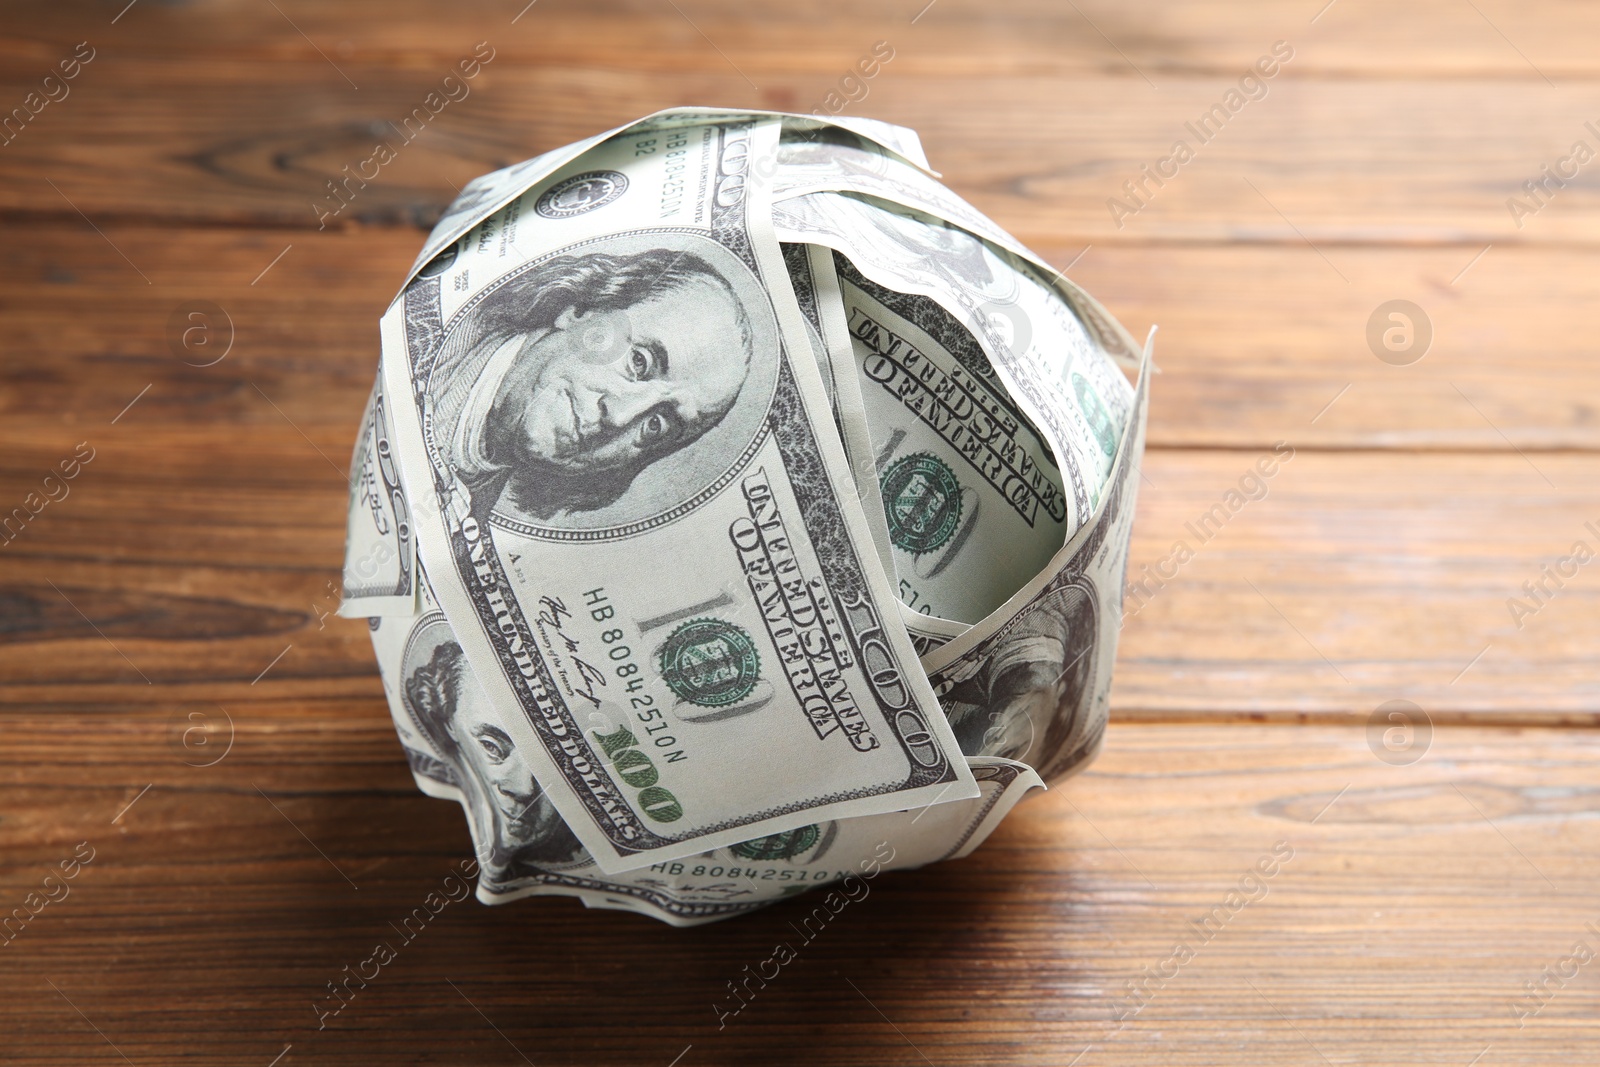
739 512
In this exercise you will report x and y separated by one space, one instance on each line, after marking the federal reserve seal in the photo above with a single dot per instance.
922 501
784 846
710 662
580 193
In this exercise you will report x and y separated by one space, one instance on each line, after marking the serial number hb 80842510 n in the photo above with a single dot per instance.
627 670
753 874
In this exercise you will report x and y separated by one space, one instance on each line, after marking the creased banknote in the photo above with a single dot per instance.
486 194
958 465
816 287
1032 415
618 395
841 160
380 553
458 749
1033 682
738 508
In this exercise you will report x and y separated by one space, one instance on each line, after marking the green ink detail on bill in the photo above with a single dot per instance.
786 845
710 662
922 501
1095 411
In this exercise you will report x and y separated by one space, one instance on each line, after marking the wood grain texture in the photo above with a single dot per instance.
1038 116
1255 340
1357 578
1415 904
1026 36
175 691
1327 161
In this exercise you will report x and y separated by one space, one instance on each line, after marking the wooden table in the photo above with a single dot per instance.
177 697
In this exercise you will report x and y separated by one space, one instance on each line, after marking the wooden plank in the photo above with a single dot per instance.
1361 38
1407 908
215 500
1358 578
1321 158
1361 578
181 592
1255 343
1260 344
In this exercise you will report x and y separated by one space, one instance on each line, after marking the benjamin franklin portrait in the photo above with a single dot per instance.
559 388
521 826
1025 695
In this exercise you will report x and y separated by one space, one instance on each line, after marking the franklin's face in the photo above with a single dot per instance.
493 759
603 391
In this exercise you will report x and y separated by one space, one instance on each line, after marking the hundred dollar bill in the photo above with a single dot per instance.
396 640
935 408
797 261
901 140
1039 350
1033 681
486 194
834 858
928 632
458 749
829 159
458 746
816 287
380 553
959 466
640 526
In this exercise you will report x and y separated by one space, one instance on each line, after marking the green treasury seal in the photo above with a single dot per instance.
922 501
786 845
710 662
